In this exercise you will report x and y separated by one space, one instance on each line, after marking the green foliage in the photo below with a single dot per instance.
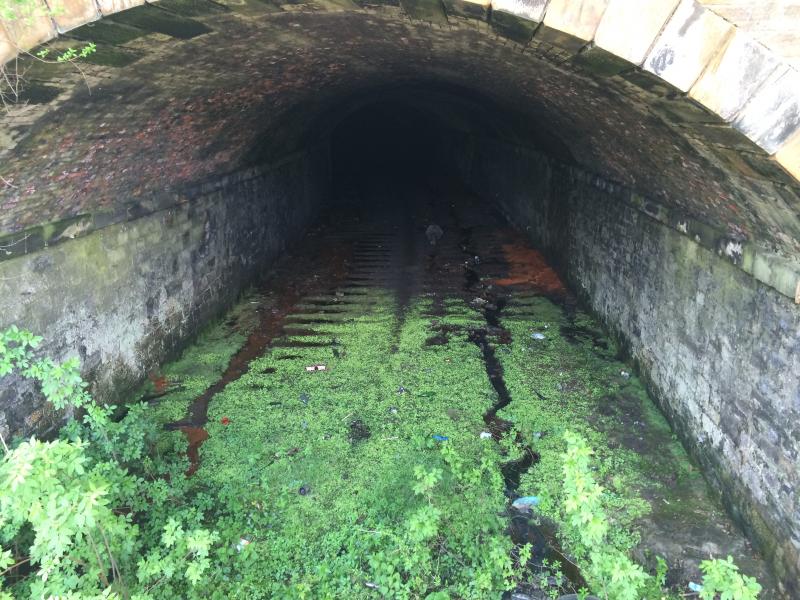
721 579
76 508
611 573
23 14
290 503
70 54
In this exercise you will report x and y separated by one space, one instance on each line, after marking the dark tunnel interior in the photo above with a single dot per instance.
386 139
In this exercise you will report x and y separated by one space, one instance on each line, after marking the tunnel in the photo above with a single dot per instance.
399 299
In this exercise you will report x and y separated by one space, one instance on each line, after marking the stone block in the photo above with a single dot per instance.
788 156
723 135
772 115
652 85
628 31
513 27
530 10
7 49
109 7
155 20
571 25
600 62
69 14
425 10
689 40
683 110
471 9
32 28
734 75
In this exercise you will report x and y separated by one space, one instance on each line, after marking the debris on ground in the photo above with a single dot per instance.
695 587
310 368
625 374
304 490
434 233
242 544
304 398
359 431
440 438
525 503
538 336
225 420
485 435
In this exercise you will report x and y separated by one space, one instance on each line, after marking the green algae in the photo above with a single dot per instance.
201 364
316 470
290 430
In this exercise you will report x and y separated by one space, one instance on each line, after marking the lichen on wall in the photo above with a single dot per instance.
128 295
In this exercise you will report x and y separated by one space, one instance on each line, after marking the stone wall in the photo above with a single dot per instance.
125 296
720 350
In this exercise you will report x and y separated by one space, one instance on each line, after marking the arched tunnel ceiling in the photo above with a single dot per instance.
186 90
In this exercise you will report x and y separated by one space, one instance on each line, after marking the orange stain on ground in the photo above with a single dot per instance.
529 268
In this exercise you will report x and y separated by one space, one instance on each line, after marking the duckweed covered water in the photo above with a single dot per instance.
334 483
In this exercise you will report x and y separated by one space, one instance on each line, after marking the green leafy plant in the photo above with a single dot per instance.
612 573
721 579
22 14
72 509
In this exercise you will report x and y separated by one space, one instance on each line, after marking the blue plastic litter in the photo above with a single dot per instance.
537 336
525 502
440 438
695 587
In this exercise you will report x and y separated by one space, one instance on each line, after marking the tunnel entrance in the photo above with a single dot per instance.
429 300
381 359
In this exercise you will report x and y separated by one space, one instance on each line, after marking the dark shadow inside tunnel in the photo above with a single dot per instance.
388 140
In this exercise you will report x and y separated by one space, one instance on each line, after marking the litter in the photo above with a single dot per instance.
625 374
225 420
243 543
485 435
393 410
433 233
524 503
537 435
304 398
538 336
311 368
695 587
303 491
401 390
440 438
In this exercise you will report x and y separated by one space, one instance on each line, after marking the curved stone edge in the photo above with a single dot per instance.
680 42
697 54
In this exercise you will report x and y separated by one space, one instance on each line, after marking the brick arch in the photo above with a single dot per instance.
690 48
682 123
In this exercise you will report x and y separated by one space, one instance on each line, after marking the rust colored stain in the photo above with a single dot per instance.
527 267
297 277
160 382
195 436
